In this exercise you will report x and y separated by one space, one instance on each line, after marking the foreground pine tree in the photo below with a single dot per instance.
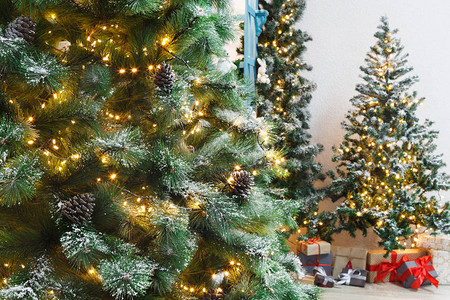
129 164
387 160
286 95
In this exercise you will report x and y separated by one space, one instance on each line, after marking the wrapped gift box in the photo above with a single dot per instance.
385 268
308 279
352 258
417 272
314 247
436 242
311 261
355 277
441 263
321 278
325 281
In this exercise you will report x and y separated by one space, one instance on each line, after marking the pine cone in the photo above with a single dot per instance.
22 27
79 209
240 182
164 78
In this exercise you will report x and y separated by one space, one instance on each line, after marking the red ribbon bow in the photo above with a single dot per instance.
420 273
349 265
313 241
385 268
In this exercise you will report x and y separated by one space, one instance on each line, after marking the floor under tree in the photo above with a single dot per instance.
389 290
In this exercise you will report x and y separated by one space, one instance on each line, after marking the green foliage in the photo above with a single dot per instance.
386 160
83 247
172 170
121 148
96 81
24 62
18 178
81 114
126 277
12 137
284 101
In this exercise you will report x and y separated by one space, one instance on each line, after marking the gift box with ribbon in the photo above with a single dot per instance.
356 277
350 258
314 247
321 278
385 268
418 272
310 261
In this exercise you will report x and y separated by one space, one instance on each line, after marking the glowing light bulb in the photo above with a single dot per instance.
165 41
113 176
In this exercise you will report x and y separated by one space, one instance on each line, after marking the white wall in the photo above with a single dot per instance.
238 7
342 32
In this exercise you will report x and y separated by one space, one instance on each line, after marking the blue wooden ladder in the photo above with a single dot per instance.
254 21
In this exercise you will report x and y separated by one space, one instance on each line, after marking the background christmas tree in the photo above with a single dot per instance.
285 97
129 164
387 167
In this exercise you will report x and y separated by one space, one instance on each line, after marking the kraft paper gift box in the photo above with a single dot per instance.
308 279
356 277
436 242
314 247
323 260
385 268
416 273
441 263
351 258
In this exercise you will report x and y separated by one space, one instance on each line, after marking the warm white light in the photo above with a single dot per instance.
165 41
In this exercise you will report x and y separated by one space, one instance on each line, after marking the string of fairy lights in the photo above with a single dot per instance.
283 49
376 191
142 204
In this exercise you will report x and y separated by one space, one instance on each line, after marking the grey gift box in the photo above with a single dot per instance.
359 279
321 280
409 281
310 261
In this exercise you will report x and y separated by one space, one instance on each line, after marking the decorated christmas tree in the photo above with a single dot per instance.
389 175
285 97
130 166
